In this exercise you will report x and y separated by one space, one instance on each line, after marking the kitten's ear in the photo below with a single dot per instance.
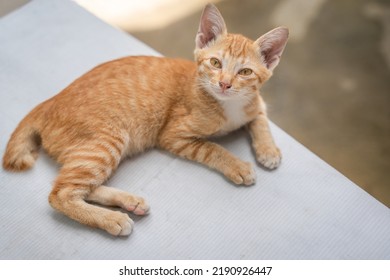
271 46
211 26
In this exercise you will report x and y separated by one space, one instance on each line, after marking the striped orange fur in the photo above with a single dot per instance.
126 106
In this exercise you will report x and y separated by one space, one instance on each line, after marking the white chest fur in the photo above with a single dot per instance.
234 111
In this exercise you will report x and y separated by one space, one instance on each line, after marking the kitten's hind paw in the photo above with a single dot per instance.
135 204
118 224
113 197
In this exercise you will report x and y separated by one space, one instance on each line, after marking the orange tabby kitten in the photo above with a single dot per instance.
125 106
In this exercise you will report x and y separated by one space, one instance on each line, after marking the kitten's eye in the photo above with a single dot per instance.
245 72
215 62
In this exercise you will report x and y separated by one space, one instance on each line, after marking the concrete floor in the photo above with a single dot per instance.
331 90
7 6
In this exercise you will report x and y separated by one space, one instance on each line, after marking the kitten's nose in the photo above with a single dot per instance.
225 86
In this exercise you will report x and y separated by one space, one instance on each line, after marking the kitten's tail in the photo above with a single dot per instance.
22 148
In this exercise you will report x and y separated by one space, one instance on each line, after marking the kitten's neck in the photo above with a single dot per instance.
233 113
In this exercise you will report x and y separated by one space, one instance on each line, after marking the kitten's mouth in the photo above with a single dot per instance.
219 93
223 93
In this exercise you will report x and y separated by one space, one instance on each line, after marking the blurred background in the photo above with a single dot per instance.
331 90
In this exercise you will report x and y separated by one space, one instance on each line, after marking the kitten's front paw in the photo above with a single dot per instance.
242 173
269 156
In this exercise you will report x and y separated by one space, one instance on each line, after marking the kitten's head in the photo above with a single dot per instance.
231 66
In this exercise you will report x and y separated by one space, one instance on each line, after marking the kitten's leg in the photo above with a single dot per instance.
114 197
70 200
214 156
85 169
262 142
